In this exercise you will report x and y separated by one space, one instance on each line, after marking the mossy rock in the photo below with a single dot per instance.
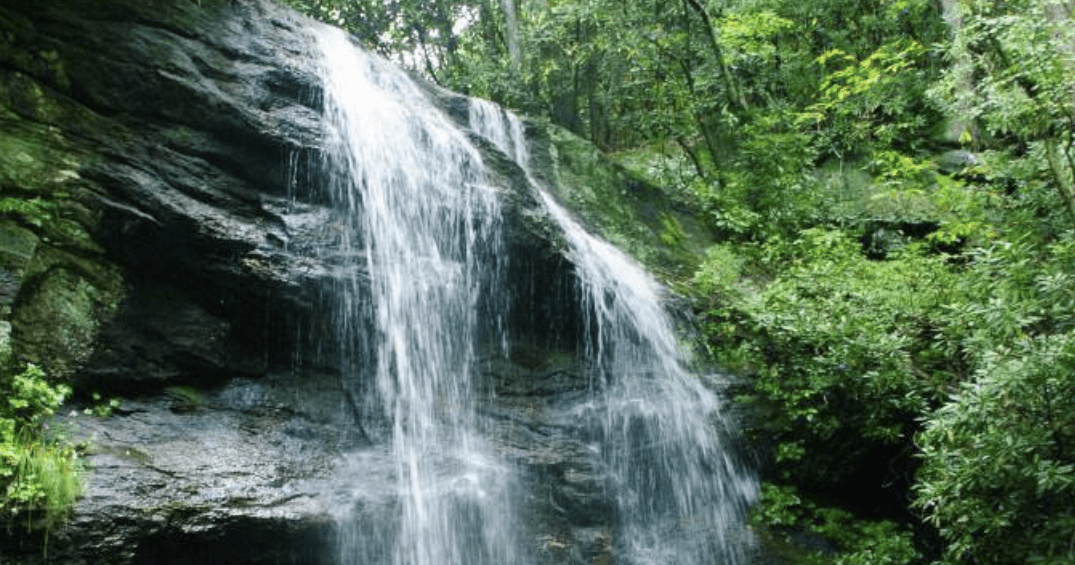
62 304
35 162
17 247
56 286
629 212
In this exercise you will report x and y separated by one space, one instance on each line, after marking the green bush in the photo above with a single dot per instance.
31 399
40 475
968 362
784 515
719 272
837 341
998 479
998 474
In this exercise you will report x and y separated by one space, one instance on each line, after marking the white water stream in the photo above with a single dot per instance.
409 188
659 433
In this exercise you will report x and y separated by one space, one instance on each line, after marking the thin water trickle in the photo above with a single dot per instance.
659 434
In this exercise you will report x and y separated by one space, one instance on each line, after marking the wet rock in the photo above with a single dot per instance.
206 476
256 471
955 161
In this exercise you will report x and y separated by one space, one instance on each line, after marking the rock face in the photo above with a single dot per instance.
163 138
158 221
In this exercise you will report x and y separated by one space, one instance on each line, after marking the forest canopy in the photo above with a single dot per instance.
892 185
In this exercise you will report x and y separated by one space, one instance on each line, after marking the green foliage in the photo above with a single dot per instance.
1011 76
39 475
878 100
844 352
45 480
999 475
771 175
31 399
719 273
750 36
1014 291
839 341
852 355
854 541
100 407
33 211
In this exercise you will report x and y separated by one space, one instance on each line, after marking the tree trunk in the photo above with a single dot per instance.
735 97
511 23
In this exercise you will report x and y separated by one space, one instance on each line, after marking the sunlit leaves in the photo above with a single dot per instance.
877 100
30 397
754 34
1012 76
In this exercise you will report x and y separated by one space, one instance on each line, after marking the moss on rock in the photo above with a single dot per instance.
17 246
61 308
627 211
57 286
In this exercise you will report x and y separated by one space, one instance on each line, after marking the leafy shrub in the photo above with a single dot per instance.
31 398
39 475
770 175
846 353
719 272
876 100
999 475
834 325
844 538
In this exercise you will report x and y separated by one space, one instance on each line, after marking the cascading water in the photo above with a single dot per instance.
408 189
413 211
658 432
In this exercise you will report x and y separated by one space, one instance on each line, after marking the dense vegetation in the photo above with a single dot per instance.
893 187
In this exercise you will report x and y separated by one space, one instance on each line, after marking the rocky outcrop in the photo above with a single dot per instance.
159 233
162 141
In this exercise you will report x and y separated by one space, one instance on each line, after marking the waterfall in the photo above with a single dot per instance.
408 189
417 240
659 433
